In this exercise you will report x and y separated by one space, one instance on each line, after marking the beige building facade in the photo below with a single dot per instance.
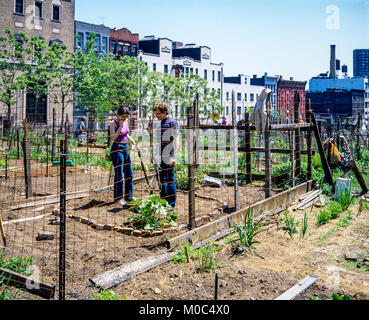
51 20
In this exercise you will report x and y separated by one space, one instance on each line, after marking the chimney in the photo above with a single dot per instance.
333 62
291 78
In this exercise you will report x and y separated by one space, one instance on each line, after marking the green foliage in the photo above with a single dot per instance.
247 231
323 217
334 209
106 295
345 199
345 221
205 256
19 264
290 224
153 213
335 297
181 256
282 175
304 225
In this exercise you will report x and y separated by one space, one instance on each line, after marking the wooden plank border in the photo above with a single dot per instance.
281 200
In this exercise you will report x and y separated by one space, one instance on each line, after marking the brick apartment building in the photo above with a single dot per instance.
123 42
286 93
51 20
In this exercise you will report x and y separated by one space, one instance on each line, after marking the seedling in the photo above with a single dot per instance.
304 226
290 224
205 256
247 231
323 217
181 257
106 295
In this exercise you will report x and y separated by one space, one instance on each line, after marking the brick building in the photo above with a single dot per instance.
286 93
51 20
123 42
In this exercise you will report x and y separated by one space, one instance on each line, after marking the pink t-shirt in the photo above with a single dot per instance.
122 138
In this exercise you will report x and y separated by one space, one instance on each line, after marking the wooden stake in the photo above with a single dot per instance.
235 151
268 172
248 149
3 235
216 286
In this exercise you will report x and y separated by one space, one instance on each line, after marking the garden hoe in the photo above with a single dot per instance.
144 171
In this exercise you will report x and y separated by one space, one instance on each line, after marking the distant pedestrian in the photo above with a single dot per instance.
80 132
224 121
123 173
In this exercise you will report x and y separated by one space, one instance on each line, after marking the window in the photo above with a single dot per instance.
227 96
120 50
213 74
56 13
187 70
98 42
165 68
80 40
154 67
126 50
104 44
227 108
251 97
134 51
197 71
245 96
205 74
239 110
39 9
219 76
191 70
238 96
245 80
19 6
113 47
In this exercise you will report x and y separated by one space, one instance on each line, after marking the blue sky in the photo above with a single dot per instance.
288 37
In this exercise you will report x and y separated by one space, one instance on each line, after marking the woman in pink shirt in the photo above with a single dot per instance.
120 157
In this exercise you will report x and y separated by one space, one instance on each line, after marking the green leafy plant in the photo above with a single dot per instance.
304 225
290 224
334 209
205 256
345 199
345 221
247 231
152 213
335 297
181 256
106 295
338 297
323 217
19 264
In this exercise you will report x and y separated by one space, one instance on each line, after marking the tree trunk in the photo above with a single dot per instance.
62 115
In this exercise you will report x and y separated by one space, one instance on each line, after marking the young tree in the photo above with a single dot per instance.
37 74
91 81
12 63
61 66
126 78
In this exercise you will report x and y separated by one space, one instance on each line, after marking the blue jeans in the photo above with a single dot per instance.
168 184
123 171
